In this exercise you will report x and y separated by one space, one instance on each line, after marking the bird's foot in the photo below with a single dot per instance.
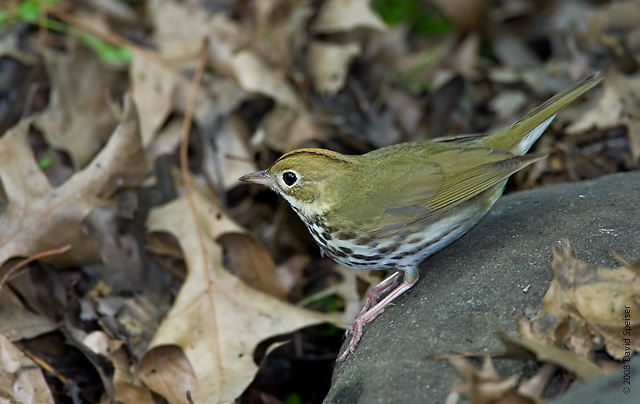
368 316
355 329
379 290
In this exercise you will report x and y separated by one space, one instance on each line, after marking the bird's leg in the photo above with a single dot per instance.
373 294
380 289
411 277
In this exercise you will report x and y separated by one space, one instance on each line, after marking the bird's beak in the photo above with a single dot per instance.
259 177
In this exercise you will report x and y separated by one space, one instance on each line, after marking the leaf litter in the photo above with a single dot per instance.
169 288
582 314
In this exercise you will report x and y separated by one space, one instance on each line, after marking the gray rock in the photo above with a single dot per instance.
477 286
608 389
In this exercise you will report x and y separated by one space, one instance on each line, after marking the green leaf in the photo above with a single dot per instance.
112 54
422 20
323 330
432 22
293 398
45 162
29 11
395 11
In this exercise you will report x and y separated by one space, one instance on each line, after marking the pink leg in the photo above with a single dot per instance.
369 315
380 289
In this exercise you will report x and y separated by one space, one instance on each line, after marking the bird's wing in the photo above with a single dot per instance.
413 189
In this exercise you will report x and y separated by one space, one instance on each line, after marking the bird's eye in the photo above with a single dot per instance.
289 178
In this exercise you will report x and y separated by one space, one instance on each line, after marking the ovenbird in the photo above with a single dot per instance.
393 207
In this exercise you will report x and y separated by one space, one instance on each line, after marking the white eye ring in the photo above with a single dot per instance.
289 178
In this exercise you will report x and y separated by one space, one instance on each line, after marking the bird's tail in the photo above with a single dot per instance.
521 135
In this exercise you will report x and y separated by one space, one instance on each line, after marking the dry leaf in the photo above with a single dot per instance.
255 76
132 319
275 130
514 53
584 295
485 386
291 271
39 217
20 322
614 27
249 261
226 154
287 51
179 29
281 31
347 15
552 323
584 369
10 47
126 387
153 89
125 384
618 106
303 130
465 14
535 386
482 386
22 381
166 370
78 119
601 297
216 321
347 289
159 91
507 104
408 111
329 64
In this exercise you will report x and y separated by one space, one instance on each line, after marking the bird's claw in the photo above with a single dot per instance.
355 329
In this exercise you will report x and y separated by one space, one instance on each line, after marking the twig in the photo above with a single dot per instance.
184 137
46 366
26 261
107 36
184 148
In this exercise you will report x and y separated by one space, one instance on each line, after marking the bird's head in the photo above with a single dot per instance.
306 178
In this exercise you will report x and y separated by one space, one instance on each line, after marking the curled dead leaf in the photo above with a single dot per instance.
166 370
216 321
254 75
618 106
483 386
22 381
78 119
36 208
250 262
465 14
584 369
586 302
329 64
347 15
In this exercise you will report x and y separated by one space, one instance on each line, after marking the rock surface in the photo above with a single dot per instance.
477 286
